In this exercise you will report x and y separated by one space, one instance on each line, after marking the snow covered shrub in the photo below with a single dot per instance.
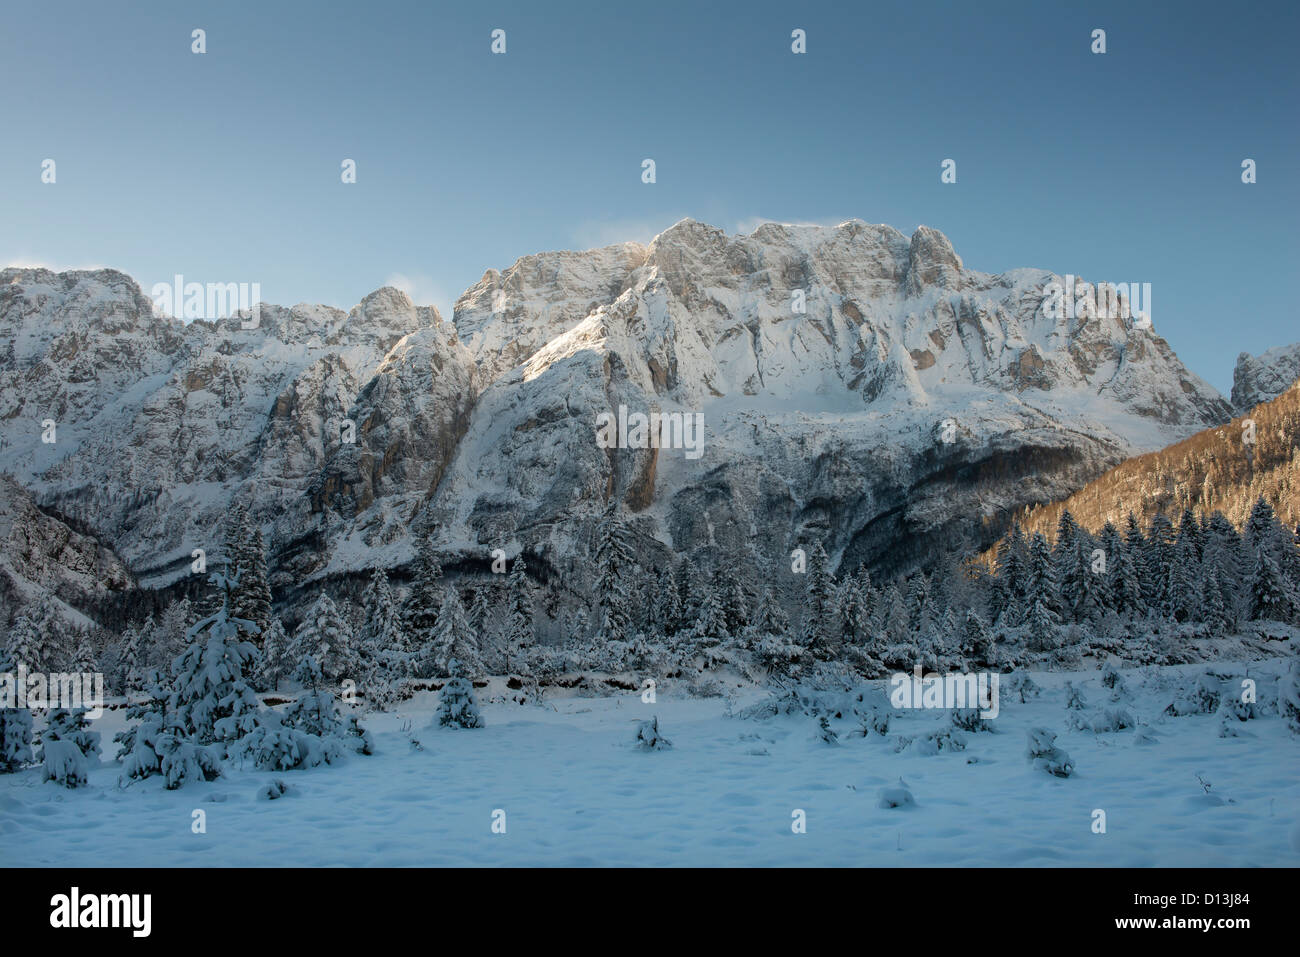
896 796
1112 679
1023 687
944 739
272 791
968 719
1042 751
1066 658
182 761
1201 698
1235 707
648 737
1103 721
68 748
316 712
309 732
876 720
1074 699
825 733
456 705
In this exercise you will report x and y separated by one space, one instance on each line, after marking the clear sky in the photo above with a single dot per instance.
225 166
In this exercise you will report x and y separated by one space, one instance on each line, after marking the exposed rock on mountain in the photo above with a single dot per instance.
1259 378
41 556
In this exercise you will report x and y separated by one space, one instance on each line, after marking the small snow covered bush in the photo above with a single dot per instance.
1200 698
968 719
1114 681
1102 721
1024 688
648 737
897 795
945 739
1043 752
825 733
1074 699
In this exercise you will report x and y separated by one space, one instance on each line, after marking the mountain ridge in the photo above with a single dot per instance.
825 422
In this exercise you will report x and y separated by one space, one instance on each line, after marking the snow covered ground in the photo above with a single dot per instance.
576 792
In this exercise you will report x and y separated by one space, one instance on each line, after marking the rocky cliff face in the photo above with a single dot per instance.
40 557
1259 378
855 384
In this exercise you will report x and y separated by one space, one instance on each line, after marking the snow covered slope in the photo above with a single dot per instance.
910 402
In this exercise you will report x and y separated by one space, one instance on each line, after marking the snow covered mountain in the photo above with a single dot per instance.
856 384
1257 379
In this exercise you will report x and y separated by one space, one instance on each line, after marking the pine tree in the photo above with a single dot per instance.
1159 559
1183 600
688 586
456 705
84 661
977 640
24 646
1011 579
1213 611
520 641
1042 626
316 713
668 604
54 637
711 633
1123 582
381 629
130 665
1270 599
211 700
819 605
853 614
15 728
453 640
1067 543
1226 558
273 664
420 613
1135 545
1040 582
1289 697
168 635
246 563
326 635
614 575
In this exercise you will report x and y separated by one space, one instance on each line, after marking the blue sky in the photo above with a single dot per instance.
225 166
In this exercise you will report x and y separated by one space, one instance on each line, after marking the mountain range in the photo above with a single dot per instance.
857 386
